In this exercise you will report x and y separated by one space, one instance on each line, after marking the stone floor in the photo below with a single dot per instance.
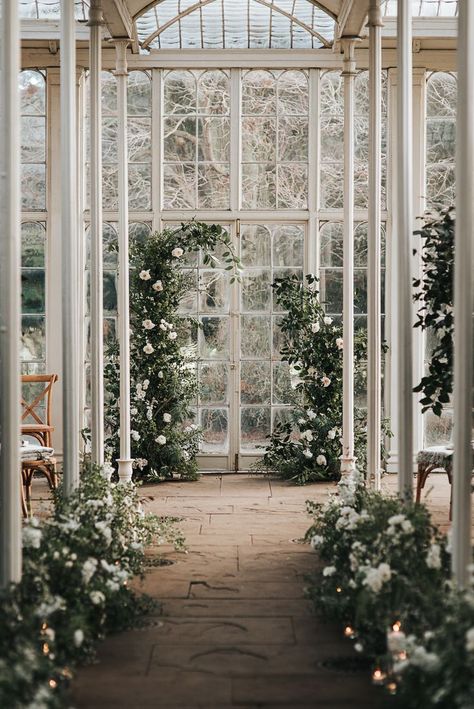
235 629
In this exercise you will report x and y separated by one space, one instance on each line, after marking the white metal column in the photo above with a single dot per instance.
10 511
404 247
69 261
125 460
374 335
463 297
347 458
96 271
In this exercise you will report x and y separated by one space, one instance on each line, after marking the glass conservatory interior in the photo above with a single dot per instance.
321 137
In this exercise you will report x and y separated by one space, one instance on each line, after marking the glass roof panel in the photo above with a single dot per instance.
234 24
424 8
50 9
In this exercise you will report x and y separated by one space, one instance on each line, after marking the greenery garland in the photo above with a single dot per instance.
74 588
165 439
435 295
307 447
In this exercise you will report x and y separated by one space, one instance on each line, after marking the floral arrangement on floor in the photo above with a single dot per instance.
74 589
307 448
434 293
384 574
165 439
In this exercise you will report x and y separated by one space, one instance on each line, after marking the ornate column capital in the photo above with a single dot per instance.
375 16
348 49
121 45
95 14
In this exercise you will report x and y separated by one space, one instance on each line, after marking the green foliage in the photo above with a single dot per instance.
307 448
163 377
385 563
435 295
76 568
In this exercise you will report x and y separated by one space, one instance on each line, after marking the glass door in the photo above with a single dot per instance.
244 386
268 251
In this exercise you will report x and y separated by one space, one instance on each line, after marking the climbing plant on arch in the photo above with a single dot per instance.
163 376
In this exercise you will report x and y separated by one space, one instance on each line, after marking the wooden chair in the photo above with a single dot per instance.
431 459
40 427
45 466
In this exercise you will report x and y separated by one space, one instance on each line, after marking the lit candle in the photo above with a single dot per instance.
392 687
378 676
349 632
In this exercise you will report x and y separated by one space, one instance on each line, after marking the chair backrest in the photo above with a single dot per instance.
37 406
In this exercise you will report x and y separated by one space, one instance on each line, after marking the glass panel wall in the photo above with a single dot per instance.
32 86
441 94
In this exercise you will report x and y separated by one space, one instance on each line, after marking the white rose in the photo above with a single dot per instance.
134 411
307 453
78 638
145 275
161 440
146 384
148 324
433 557
321 460
97 597
135 435
332 434
163 326
327 320
160 374
316 541
470 640
158 286
173 335
167 418
177 252
325 381
315 327
340 343
310 414
329 571
308 435
148 349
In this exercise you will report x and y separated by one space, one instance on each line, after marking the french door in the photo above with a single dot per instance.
244 386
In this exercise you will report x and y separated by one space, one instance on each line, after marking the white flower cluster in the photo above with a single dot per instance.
376 577
32 534
398 524
349 518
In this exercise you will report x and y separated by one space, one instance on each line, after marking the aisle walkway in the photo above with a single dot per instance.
235 629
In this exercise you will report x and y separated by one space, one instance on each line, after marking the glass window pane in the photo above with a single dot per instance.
214 338
282 390
256 290
255 336
214 383
32 291
33 187
214 291
255 385
215 430
254 427
33 338
33 237
255 246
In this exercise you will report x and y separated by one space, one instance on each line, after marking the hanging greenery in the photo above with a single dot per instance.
163 353
434 292
307 447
